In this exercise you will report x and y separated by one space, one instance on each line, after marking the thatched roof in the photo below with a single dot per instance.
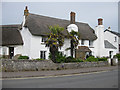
10 35
83 49
38 25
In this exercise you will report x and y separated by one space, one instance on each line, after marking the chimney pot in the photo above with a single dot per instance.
26 11
72 17
100 21
109 28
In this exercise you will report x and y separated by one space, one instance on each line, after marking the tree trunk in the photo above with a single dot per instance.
72 47
53 51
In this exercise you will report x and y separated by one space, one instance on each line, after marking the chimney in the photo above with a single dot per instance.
72 18
100 21
26 11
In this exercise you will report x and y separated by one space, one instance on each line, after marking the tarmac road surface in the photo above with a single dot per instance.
107 79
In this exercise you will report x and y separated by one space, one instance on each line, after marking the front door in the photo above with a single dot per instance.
110 54
11 52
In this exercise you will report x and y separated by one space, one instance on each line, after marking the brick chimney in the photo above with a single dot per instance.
100 21
26 11
72 18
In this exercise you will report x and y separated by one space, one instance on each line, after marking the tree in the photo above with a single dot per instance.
74 36
55 40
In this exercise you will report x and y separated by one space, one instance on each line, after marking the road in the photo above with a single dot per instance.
107 79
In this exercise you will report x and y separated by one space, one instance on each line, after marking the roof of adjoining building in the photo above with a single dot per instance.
83 49
116 33
109 45
38 25
10 35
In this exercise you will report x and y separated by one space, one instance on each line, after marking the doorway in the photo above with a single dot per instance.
110 54
11 52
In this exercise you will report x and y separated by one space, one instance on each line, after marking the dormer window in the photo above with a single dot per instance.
115 39
82 42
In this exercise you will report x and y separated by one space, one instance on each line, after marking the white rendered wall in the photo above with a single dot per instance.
26 36
18 49
66 45
99 42
36 46
111 38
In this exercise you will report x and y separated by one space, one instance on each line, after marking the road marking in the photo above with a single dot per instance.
52 76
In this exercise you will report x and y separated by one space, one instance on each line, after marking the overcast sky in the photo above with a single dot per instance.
87 12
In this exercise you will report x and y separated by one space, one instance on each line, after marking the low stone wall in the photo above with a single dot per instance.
35 65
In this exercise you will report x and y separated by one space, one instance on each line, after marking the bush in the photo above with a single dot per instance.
70 59
79 60
60 58
118 56
39 59
91 59
23 57
102 59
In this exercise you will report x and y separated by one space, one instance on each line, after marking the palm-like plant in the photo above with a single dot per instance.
74 36
55 40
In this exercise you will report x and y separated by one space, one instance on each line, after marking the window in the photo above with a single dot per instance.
115 39
43 54
44 39
82 42
90 43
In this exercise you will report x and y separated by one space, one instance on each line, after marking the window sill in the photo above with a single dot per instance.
43 43
91 47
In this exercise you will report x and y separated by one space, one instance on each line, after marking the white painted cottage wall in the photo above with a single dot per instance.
99 42
36 46
111 38
18 49
66 45
26 36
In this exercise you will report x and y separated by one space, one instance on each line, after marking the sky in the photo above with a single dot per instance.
86 12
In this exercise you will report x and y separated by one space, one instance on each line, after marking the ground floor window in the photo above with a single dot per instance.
43 54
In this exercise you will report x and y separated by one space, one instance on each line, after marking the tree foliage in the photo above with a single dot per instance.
74 36
55 40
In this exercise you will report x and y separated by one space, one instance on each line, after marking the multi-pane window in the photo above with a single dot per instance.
82 42
90 43
43 54
44 39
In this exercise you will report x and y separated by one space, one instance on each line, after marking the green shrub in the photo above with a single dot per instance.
60 58
91 59
23 57
79 60
70 59
102 59
118 56
39 59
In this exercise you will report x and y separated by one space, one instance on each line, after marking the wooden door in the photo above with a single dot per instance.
11 52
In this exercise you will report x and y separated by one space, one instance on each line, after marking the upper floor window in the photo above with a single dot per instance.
90 43
82 42
44 39
115 39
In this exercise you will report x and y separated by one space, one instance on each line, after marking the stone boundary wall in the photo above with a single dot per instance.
35 65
